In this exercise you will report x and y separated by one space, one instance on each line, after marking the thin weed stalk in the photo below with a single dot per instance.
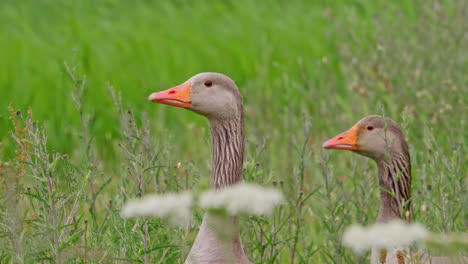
332 207
304 154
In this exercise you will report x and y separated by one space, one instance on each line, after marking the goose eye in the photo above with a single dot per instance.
370 128
208 83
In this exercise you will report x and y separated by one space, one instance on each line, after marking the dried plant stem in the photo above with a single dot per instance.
328 189
439 193
259 238
79 86
56 222
163 255
304 157
274 229
145 240
38 161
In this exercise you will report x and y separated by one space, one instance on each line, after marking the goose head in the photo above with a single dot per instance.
210 94
373 136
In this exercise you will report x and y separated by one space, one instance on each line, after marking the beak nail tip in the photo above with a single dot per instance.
152 97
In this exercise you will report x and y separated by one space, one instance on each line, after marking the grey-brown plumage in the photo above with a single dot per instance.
216 97
394 164
382 140
227 139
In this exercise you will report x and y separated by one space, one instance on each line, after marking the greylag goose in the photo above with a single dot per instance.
382 140
216 97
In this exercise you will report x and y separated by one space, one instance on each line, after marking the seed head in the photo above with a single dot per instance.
423 208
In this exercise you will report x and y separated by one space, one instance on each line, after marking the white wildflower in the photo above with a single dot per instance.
175 207
357 238
423 208
242 198
394 234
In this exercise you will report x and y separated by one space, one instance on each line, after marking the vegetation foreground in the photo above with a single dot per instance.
80 139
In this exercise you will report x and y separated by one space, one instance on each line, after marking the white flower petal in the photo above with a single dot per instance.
394 234
242 198
176 207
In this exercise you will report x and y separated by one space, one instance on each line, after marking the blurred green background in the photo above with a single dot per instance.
327 63
327 59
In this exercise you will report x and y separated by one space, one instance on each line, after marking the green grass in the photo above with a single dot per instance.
332 62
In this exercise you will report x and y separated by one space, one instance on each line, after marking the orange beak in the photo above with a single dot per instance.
346 140
177 96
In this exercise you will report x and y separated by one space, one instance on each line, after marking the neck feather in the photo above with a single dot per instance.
395 187
227 138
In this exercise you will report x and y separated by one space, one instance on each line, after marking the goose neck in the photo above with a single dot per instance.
227 138
395 188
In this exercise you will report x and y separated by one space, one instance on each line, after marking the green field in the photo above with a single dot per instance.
307 71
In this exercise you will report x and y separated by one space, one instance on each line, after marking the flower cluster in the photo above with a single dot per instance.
240 198
394 234
176 207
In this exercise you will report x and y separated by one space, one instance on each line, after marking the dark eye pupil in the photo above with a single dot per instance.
208 83
370 128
